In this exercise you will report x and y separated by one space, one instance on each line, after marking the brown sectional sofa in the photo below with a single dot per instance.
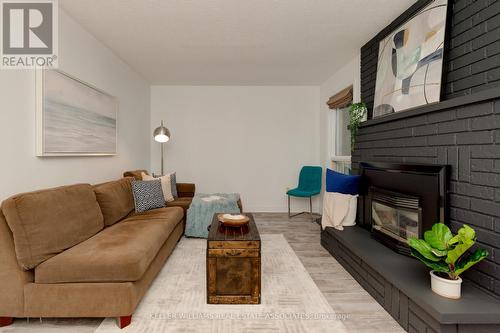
82 251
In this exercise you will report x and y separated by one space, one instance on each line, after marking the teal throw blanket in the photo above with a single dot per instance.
203 208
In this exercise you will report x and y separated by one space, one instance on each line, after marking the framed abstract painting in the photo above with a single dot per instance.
410 62
73 117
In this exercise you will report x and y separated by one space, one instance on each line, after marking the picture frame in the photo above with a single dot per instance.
410 62
73 118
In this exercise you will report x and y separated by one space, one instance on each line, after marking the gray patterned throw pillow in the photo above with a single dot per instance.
173 184
147 195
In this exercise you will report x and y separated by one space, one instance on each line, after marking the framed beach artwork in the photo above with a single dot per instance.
410 62
73 117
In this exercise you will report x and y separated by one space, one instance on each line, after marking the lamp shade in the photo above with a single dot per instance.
161 134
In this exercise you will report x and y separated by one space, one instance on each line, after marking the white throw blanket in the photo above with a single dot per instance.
339 210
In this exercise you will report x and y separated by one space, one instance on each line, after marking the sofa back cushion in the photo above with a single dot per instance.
115 199
47 222
137 174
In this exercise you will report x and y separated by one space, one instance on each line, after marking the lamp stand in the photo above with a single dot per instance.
161 134
162 173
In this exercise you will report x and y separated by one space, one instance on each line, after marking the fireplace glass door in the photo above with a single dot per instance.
396 216
395 222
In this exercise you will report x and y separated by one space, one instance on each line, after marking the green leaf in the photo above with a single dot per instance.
439 253
439 236
436 266
470 261
467 232
356 114
453 241
458 251
465 238
464 233
423 248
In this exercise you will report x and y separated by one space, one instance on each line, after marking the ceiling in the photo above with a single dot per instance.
235 42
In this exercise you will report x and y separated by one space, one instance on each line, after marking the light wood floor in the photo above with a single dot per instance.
343 293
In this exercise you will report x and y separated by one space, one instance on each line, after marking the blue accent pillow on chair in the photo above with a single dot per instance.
341 183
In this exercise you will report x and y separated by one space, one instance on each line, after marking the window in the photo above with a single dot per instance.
343 134
340 140
340 136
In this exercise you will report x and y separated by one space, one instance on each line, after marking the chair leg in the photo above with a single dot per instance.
6 321
310 212
311 209
124 321
289 216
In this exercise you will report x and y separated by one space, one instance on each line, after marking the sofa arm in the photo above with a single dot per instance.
12 277
137 174
186 190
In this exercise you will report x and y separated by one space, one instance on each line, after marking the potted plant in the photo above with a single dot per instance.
357 114
448 256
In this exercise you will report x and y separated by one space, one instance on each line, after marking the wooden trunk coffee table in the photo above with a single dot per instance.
233 264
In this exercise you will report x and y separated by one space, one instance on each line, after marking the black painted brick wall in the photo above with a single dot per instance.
406 312
472 55
468 139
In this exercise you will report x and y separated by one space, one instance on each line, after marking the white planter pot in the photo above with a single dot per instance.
446 288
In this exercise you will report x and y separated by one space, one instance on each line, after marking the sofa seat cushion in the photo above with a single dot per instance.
183 202
120 253
156 214
47 222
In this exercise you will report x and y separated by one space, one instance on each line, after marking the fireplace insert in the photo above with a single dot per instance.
399 201
395 217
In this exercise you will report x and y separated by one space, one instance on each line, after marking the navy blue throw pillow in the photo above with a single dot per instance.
341 183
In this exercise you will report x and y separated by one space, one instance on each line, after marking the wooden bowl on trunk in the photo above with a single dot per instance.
229 221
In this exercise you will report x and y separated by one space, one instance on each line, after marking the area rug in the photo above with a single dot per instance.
176 302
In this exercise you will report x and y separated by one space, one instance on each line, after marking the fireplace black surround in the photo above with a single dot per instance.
399 201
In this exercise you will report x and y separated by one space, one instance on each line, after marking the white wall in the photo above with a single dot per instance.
246 139
82 56
269 131
344 77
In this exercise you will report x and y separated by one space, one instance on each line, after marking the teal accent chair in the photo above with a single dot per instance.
309 186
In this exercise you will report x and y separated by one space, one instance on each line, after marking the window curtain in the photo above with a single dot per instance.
341 99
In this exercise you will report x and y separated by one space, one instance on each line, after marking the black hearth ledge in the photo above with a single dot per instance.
457 102
412 278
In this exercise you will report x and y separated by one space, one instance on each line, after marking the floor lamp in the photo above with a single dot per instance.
161 134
